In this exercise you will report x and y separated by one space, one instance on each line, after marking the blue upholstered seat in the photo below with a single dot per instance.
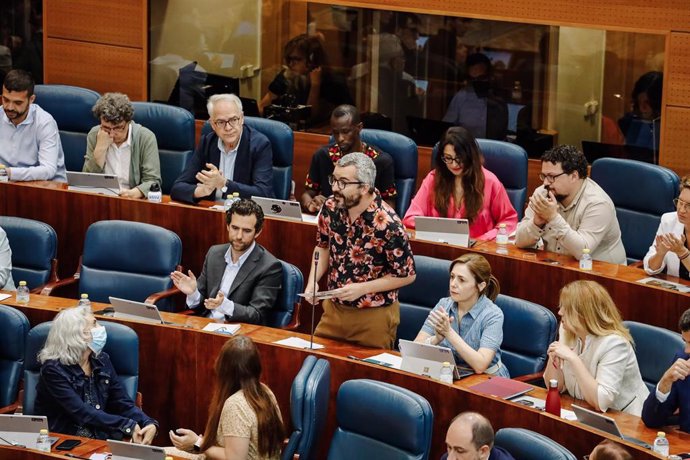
309 399
287 304
641 193
34 250
404 153
419 298
509 163
380 421
71 107
174 129
15 328
655 348
282 145
126 259
523 353
527 445
122 346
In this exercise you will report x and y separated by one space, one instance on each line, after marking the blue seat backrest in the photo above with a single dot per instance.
509 163
404 153
15 328
282 141
34 246
655 348
122 346
419 298
292 284
524 444
309 397
639 211
525 353
130 260
383 420
71 107
174 129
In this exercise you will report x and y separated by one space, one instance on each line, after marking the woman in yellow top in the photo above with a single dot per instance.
244 421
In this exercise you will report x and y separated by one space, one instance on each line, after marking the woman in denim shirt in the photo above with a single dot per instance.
468 322
78 389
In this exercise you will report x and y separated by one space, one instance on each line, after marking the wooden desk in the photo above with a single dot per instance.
176 380
522 273
85 449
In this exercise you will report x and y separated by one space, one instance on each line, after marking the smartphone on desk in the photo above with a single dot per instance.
68 444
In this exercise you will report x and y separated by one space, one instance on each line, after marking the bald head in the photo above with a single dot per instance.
470 436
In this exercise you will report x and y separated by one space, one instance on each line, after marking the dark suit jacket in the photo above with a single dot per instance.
254 290
253 167
656 414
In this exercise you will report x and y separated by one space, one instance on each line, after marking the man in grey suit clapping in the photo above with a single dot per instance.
240 280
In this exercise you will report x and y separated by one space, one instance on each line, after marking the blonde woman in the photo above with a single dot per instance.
594 357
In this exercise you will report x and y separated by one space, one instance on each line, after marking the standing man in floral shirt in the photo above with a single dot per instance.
363 246
346 128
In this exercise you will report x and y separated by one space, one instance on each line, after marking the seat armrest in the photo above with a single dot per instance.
638 264
57 288
294 324
11 409
189 312
530 377
140 400
153 298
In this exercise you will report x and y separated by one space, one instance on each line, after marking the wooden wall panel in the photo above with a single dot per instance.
120 23
675 137
98 67
677 85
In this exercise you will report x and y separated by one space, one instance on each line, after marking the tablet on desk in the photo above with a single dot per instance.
603 423
22 430
443 230
129 451
283 209
104 184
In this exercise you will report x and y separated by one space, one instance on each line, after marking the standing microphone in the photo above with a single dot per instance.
313 304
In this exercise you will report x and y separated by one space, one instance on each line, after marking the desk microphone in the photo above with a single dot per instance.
313 304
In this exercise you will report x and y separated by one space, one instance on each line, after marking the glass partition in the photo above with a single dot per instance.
417 74
21 37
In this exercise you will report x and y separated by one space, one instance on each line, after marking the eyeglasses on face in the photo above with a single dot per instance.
450 160
680 204
295 59
550 178
341 183
114 129
233 122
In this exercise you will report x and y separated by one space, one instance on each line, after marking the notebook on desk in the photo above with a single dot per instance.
22 430
105 184
128 451
443 230
603 423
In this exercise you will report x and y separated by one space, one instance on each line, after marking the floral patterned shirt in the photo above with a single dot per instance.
324 160
371 247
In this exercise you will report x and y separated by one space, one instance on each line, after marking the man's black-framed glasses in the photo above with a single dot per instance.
342 183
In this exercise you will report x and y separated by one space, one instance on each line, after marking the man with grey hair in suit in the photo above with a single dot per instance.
240 280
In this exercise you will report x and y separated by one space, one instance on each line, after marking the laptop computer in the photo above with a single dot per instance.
250 108
603 423
22 430
427 360
105 184
130 309
443 230
282 209
127 451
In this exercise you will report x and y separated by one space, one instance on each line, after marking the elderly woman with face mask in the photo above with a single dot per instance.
78 389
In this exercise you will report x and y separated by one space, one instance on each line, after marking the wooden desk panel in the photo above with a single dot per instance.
176 380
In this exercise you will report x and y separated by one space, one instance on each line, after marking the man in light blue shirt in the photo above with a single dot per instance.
240 280
30 144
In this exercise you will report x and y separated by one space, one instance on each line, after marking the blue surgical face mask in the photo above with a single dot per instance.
98 338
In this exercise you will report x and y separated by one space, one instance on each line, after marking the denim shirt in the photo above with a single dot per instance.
481 327
60 397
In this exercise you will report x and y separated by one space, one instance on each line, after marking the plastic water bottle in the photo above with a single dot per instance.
43 442
553 399
586 260
84 301
230 200
446 373
661 444
23 293
4 177
502 235
155 195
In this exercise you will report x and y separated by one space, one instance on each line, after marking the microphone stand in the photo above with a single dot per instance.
313 305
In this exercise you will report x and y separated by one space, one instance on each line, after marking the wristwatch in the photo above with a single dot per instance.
197 444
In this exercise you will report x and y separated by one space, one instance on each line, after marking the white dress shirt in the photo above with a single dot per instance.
118 160
32 150
227 162
669 224
227 308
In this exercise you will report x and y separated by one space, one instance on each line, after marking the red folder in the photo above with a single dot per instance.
502 387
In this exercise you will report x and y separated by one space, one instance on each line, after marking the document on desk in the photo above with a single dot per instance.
5 297
297 342
385 359
650 281
222 328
